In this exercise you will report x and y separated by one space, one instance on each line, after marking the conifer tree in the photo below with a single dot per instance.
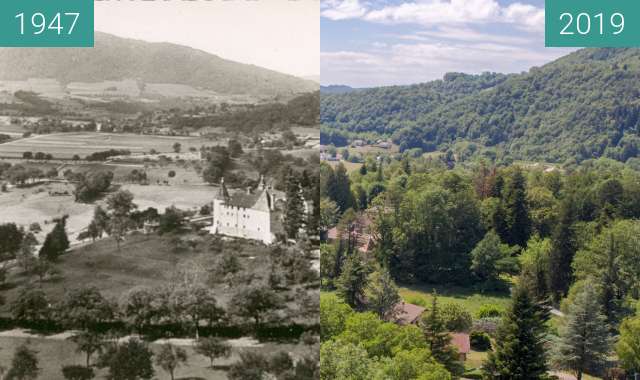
516 212
519 353
350 285
56 242
584 339
382 294
294 210
562 251
439 340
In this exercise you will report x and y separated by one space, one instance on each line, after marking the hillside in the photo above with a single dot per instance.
115 59
581 106
336 89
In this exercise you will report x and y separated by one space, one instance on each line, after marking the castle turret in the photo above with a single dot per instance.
223 193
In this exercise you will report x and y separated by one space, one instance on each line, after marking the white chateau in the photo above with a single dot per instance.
244 214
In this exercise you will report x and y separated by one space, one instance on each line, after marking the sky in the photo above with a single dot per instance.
391 42
282 35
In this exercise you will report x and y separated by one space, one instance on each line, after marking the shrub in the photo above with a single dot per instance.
77 372
480 341
490 311
456 318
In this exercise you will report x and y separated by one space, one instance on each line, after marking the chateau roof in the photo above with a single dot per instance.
242 199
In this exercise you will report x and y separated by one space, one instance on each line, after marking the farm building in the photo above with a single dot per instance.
462 343
245 215
407 313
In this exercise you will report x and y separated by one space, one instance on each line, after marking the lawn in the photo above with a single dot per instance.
470 299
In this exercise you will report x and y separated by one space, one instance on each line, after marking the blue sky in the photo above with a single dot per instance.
388 42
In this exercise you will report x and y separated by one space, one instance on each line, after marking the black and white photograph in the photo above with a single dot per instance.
159 196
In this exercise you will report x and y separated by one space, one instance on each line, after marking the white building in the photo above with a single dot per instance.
244 214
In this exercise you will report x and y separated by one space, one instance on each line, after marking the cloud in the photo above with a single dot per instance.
342 9
407 63
438 12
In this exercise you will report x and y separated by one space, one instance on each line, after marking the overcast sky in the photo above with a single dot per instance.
386 42
282 35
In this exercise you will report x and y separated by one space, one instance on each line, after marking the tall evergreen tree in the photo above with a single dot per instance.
56 242
562 250
439 340
520 353
350 285
584 339
381 294
516 213
294 209
339 188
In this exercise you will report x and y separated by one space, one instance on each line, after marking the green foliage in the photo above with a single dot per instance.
628 345
438 339
343 361
535 267
455 317
351 283
480 341
497 113
333 316
520 352
411 365
584 338
381 294
610 258
489 311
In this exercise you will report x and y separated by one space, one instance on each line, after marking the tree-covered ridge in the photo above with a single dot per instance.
386 109
581 106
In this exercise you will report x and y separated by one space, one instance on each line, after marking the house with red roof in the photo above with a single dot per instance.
462 342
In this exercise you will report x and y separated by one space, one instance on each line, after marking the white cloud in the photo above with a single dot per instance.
438 12
342 9
406 63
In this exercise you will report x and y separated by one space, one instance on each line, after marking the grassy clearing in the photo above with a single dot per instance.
350 166
470 299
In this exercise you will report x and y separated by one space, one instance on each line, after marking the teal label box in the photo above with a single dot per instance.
46 23
592 23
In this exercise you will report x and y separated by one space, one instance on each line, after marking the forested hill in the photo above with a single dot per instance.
581 106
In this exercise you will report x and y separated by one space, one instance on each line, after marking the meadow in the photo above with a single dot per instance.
66 145
24 206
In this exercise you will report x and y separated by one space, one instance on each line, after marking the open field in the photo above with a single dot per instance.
24 206
350 166
65 145
54 353
470 299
